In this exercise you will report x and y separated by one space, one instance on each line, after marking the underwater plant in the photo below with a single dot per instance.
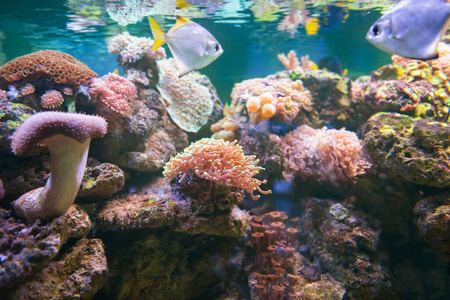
68 137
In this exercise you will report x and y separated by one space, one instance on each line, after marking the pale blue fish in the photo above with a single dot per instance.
412 28
192 46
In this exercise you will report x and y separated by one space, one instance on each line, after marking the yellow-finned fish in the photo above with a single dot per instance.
192 46
412 28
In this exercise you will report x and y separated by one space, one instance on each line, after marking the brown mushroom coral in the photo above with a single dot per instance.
68 137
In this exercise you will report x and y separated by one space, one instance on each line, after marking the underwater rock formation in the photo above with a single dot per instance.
11 116
161 208
101 180
161 264
78 273
434 223
28 247
412 148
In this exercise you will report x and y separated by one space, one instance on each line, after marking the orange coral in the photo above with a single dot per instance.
218 161
58 67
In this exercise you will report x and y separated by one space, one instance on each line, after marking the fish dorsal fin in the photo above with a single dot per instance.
158 34
180 22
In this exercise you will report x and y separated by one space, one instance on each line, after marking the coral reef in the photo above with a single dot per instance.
78 273
146 137
28 247
327 253
415 149
329 155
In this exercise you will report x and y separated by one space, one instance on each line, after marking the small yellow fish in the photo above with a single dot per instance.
192 46
412 28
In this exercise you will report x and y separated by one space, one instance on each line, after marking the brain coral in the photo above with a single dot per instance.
56 66
219 161
189 103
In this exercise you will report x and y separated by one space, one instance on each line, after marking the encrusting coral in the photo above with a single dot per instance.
221 162
334 156
53 65
68 137
188 103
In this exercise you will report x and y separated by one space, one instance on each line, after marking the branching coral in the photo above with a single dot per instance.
333 156
218 161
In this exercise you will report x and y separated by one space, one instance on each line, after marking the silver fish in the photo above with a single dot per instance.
192 46
412 28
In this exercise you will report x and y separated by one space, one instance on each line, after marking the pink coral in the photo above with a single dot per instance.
52 99
330 155
114 92
218 161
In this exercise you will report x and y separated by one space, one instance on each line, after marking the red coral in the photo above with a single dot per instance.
56 66
113 91
328 155
218 161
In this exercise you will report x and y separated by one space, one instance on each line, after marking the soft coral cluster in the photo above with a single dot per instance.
335 156
114 92
218 161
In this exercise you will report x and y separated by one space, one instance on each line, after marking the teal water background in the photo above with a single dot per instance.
83 29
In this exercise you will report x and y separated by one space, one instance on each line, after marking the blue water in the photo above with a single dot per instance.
83 28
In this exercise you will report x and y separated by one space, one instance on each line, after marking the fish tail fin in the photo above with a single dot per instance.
158 34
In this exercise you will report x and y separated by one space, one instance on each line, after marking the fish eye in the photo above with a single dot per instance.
376 29
216 47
